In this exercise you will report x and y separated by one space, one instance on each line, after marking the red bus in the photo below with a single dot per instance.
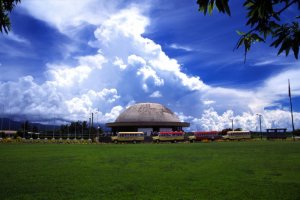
205 135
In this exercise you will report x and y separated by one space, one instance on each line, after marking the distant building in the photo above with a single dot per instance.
7 133
276 133
148 118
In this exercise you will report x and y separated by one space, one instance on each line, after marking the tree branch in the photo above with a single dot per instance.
286 6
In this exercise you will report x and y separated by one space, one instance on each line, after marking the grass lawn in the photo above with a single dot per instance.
220 170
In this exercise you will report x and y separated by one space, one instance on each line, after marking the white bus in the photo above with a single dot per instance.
133 137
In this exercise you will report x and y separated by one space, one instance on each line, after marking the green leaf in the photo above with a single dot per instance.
282 48
226 7
295 48
248 4
240 32
211 7
240 42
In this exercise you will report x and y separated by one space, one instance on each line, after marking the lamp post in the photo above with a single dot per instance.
75 130
68 132
259 115
46 134
232 124
97 125
60 132
82 131
24 130
89 129
39 127
53 138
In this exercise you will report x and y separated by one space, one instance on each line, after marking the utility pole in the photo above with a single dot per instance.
290 95
259 115
232 124
82 130
24 130
92 119
89 128
75 130
68 132
46 134
53 129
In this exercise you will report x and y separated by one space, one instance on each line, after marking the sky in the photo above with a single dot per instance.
65 59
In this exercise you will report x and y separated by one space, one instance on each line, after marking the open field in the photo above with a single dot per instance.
220 170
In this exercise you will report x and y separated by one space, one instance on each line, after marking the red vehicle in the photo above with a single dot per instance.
205 135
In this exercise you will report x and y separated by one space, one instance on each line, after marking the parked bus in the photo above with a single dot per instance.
169 136
205 135
133 137
237 135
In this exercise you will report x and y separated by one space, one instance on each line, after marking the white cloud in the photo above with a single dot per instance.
70 15
264 62
136 61
277 86
112 115
211 120
119 62
27 97
65 76
180 47
208 102
93 61
121 23
156 94
17 38
149 73
86 102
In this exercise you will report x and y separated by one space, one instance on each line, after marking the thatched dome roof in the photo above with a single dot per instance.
147 112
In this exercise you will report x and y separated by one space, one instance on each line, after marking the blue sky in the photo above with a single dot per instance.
65 59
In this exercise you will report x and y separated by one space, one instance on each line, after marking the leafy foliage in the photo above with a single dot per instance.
297 132
222 6
238 129
264 20
6 7
224 131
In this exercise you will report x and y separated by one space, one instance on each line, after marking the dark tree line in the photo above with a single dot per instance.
78 127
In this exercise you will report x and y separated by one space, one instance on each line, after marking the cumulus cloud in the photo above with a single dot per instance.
119 62
136 61
211 120
148 73
112 115
65 76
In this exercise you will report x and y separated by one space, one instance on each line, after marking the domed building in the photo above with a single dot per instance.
148 118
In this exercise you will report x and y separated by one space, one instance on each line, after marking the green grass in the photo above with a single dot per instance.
228 170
